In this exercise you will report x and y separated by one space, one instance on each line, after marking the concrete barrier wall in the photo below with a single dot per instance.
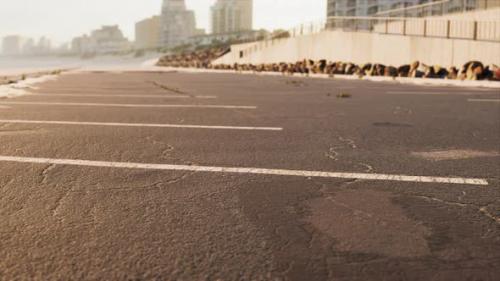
394 49
360 47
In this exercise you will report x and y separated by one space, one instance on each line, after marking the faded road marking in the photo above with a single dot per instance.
126 96
132 105
20 132
484 100
111 124
254 171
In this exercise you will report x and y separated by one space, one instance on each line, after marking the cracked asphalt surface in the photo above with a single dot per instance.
84 223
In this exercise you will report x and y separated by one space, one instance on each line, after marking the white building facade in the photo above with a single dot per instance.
106 40
366 7
177 23
372 7
232 16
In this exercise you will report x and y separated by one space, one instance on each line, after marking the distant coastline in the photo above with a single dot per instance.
13 68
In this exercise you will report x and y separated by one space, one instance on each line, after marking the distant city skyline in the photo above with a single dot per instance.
61 20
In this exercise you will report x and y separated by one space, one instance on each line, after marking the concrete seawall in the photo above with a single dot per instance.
361 47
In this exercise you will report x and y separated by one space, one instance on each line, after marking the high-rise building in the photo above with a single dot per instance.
81 45
177 23
17 45
29 46
44 45
147 33
107 39
232 16
12 45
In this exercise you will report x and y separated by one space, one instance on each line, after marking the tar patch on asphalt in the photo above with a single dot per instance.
296 83
367 221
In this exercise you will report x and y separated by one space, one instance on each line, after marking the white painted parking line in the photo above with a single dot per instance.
126 96
415 92
427 93
484 100
430 92
112 124
253 171
131 105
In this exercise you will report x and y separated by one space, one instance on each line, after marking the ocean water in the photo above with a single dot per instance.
20 65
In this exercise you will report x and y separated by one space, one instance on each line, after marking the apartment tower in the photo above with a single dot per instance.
232 16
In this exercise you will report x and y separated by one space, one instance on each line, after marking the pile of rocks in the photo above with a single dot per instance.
473 70
195 59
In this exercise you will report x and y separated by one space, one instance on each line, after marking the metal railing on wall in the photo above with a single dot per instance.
437 27
425 27
439 7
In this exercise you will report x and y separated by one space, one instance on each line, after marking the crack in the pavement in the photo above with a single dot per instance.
58 203
462 196
165 154
129 188
44 174
93 213
168 89
180 178
481 209
9 182
428 198
484 210
349 182
402 110
286 270
333 153
155 185
349 142
369 168
323 188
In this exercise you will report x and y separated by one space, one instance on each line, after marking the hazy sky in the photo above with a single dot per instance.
63 19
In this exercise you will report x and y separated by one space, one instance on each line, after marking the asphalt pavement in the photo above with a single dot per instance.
179 176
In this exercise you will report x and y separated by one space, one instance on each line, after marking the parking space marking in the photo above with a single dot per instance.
114 124
127 96
417 93
252 171
132 105
431 92
484 100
